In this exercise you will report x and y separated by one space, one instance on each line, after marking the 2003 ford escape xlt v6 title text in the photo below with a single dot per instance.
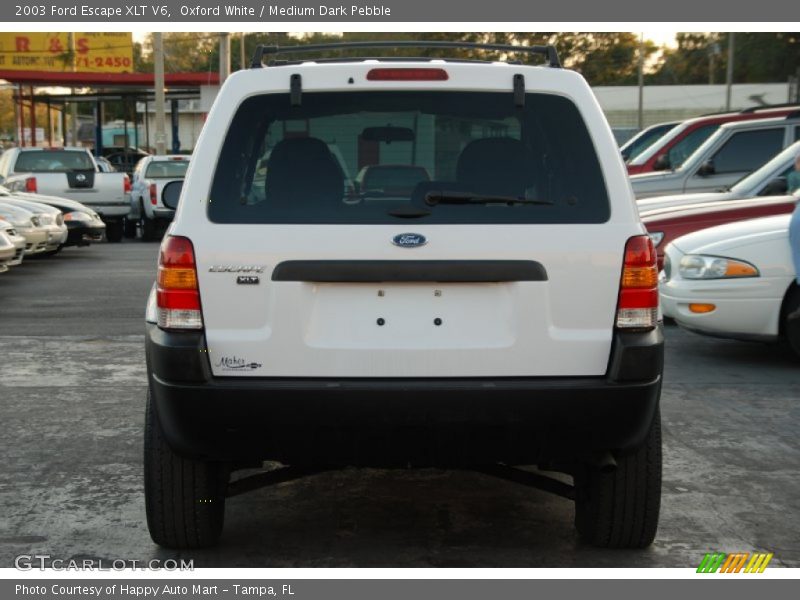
405 262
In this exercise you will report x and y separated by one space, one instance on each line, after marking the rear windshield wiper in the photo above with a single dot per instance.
434 198
409 213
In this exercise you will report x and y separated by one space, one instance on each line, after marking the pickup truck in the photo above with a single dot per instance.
70 173
147 208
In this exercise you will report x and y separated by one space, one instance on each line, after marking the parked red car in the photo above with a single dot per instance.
666 224
681 141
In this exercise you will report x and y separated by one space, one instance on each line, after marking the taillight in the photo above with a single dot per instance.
30 185
153 194
177 294
126 185
637 307
405 74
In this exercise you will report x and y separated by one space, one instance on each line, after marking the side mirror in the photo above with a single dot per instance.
662 163
171 194
777 187
706 169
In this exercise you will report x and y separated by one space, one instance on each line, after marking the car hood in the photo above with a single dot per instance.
32 206
676 200
722 239
63 204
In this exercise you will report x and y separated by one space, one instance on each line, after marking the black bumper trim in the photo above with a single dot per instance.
376 271
382 422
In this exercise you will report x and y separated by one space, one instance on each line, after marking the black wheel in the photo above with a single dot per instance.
184 497
149 228
790 319
114 231
619 509
129 228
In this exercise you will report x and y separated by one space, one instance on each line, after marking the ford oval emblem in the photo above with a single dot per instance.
409 240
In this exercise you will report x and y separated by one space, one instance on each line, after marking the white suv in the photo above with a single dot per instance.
502 311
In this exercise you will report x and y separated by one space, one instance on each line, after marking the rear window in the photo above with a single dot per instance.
386 157
166 169
53 161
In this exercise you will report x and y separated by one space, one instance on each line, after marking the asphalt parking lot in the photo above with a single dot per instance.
72 393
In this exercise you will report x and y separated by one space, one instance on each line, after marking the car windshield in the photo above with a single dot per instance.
53 161
166 169
283 163
644 140
778 166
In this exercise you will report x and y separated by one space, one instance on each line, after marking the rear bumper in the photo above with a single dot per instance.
166 214
80 234
401 421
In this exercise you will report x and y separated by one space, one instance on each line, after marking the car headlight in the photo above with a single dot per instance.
699 266
46 219
77 216
59 219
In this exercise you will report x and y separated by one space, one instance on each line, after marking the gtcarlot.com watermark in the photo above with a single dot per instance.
42 562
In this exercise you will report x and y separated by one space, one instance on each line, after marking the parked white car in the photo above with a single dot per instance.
147 207
16 239
502 308
7 251
768 181
734 281
52 219
27 224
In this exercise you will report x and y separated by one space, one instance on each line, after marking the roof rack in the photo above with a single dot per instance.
273 50
752 109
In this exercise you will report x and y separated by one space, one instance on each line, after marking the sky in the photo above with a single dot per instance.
659 36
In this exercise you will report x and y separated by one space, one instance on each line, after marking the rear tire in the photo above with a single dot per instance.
114 231
184 497
129 229
790 319
149 229
620 509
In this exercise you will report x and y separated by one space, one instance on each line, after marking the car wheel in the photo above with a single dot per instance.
129 228
184 497
149 229
790 323
114 231
619 509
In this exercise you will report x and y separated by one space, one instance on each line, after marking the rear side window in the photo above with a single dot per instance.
389 157
52 161
748 150
166 169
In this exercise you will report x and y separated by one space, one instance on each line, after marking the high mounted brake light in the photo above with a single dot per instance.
637 307
398 74
177 294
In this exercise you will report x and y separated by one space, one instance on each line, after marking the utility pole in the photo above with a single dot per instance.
729 72
224 56
641 82
73 106
158 56
242 54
